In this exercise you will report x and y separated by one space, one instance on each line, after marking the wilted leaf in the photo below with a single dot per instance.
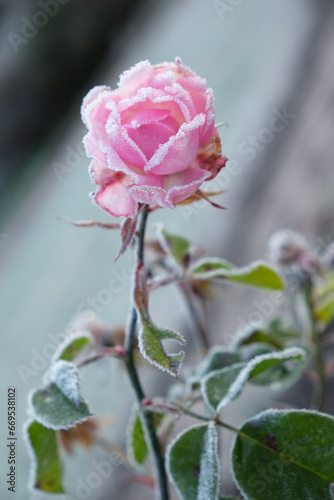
259 274
90 223
196 197
128 231
285 455
223 386
46 467
150 336
193 463
84 433
54 410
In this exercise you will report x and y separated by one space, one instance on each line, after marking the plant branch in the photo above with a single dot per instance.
133 375
202 335
319 386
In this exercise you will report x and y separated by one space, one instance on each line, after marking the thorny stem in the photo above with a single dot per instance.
132 371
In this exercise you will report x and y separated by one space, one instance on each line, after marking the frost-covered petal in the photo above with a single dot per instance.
148 137
150 195
115 199
209 126
182 185
93 98
152 139
179 151
177 187
134 78
100 173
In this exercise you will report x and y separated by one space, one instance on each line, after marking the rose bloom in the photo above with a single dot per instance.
152 139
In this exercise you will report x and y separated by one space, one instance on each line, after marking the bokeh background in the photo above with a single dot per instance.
263 58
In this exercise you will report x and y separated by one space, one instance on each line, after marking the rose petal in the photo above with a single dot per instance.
91 100
179 151
177 188
149 137
116 200
180 186
151 195
99 173
134 78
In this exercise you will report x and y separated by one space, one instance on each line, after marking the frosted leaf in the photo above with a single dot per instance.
285 454
193 463
65 376
222 386
259 274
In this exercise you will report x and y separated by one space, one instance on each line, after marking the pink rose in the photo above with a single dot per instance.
152 139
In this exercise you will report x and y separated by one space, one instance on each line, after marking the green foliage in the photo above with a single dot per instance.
46 464
285 454
150 336
259 274
177 246
193 463
137 446
220 387
150 344
54 410
71 348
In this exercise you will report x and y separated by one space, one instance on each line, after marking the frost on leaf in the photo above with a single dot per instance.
292 448
193 463
222 386
259 274
150 336
66 377
73 345
137 443
51 408
46 466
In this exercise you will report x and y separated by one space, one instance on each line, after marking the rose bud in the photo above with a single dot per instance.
288 248
152 139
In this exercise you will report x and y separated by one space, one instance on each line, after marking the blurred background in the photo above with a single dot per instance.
263 59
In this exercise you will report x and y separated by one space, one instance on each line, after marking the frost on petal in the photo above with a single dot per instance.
150 195
176 100
156 130
134 78
90 101
93 147
179 151
115 198
149 137
209 126
182 185
100 173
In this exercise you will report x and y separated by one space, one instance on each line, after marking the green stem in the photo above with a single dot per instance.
319 387
134 379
